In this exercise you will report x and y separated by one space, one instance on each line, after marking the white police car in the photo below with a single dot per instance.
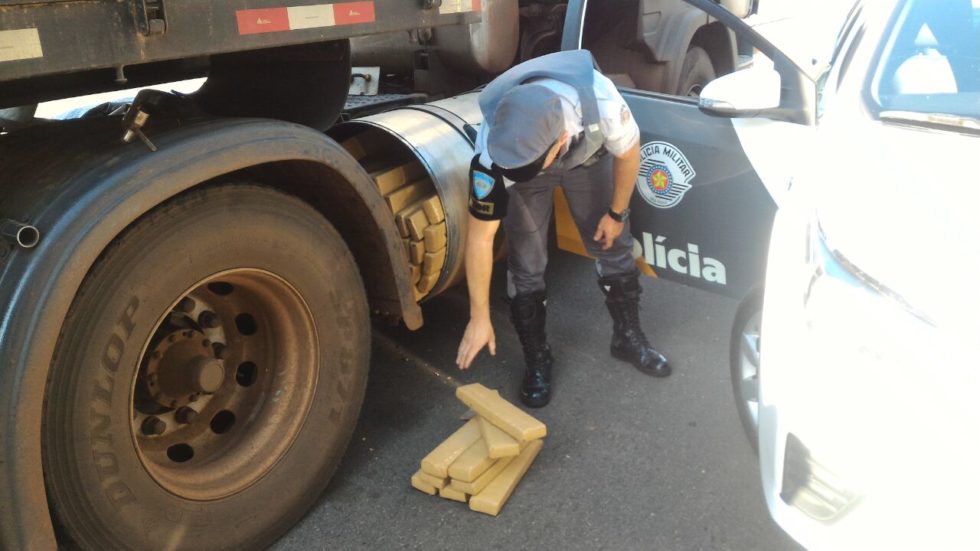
864 408
867 398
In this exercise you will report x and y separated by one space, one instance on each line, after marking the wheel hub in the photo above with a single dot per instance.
224 384
182 368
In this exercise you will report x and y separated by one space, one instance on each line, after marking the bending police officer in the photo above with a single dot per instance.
553 121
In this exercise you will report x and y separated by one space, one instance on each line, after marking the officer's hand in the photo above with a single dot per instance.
479 333
607 231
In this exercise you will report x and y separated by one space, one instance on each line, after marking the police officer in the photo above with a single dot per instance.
553 121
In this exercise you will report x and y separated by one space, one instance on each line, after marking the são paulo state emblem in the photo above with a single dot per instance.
665 174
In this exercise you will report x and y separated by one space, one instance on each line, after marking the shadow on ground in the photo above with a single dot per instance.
631 462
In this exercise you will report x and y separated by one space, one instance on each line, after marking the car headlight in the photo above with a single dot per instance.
848 308
881 398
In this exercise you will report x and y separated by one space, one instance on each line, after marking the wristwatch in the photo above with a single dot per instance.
619 216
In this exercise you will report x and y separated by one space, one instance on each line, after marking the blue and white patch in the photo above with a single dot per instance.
665 175
482 184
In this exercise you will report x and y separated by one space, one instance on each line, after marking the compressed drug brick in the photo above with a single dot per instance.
401 221
474 462
427 282
405 196
421 485
355 148
492 499
484 480
416 252
435 237
434 481
499 443
506 416
438 461
416 224
449 492
433 262
433 210
394 178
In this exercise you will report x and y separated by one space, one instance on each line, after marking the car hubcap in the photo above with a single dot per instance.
224 384
749 368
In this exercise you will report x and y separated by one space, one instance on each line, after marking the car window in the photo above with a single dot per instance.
931 62
664 46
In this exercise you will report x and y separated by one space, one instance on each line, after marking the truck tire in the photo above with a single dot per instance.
208 376
744 350
696 72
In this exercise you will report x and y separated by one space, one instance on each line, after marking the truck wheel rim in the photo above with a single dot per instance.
749 368
224 384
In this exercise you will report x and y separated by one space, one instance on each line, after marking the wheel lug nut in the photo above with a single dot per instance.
186 305
153 426
208 319
185 415
219 350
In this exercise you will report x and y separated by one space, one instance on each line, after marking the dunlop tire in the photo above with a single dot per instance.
100 493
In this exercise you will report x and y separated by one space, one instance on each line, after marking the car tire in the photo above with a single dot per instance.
744 364
696 72
267 414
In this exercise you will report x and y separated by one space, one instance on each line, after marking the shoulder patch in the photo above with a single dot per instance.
482 184
624 115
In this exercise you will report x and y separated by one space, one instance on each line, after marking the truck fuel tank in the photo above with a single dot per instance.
419 157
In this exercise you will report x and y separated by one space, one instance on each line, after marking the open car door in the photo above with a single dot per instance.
701 214
709 181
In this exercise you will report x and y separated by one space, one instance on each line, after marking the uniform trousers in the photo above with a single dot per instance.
530 205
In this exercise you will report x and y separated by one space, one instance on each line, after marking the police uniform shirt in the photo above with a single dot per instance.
488 188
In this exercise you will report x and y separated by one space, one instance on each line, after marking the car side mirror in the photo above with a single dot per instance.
745 93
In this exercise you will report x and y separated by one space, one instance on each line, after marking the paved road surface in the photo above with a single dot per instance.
630 462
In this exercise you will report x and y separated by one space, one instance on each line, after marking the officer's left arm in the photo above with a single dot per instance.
622 140
625 168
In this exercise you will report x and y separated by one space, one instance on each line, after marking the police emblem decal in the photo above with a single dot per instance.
482 184
665 174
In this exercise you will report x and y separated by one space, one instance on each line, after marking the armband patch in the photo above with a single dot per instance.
481 207
482 184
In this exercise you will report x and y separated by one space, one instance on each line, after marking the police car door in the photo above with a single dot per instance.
701 215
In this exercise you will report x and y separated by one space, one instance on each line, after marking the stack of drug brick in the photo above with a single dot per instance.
415 204
483 461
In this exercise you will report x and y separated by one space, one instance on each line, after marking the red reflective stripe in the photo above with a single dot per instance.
262 21
350 13
277 19
476 5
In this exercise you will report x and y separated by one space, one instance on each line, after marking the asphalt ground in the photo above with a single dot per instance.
630 461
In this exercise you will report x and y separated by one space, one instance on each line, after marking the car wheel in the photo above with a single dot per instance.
208 376
696 72
744 358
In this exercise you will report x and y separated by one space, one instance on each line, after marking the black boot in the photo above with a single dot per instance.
528 314
628 342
